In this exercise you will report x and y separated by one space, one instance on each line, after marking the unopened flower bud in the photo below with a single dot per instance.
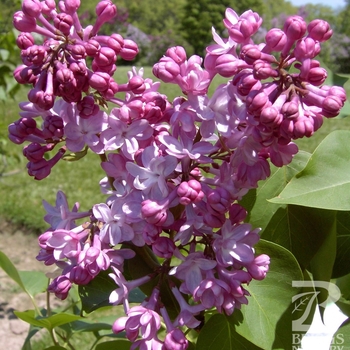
263 70
319 30
166 69
275 40
60 286
129 50
92 47
24 40
31 8
177 53
331 106
306 48
106 10
228 65
163 247
24 23
69 6
190 192
294 27
63 22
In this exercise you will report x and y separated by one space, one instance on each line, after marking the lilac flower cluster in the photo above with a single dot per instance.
174 171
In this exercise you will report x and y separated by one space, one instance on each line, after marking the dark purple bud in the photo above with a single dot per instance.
34 152
77 51
20 129
271 116
137 85
245 82
99 81
47 6
63 22
79 275
60 286
319 30
290 109
24 40
87 107
218 201
163 247
228 65
256 101
35 54
53 127
303 127
317 76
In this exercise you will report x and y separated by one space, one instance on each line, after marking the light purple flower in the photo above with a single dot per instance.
80 132
152 176
114 230
233 243
59 216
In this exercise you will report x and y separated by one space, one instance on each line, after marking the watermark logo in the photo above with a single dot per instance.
303 302
304 307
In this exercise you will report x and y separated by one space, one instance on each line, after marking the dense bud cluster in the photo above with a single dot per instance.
174 171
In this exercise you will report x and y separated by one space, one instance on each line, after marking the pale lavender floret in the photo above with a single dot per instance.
233 244
211 293
115 229
140 320
125 136
121 294
152 176
67 243
192 271
80 132
185 148
60 216
187 312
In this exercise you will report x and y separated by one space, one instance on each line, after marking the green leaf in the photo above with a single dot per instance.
301 230
220 334
267 318
10 269
341 265
96 294
119 344
55 347
46 322
35 282
325 181
261 211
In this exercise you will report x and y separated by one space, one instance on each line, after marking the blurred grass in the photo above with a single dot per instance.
21 196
